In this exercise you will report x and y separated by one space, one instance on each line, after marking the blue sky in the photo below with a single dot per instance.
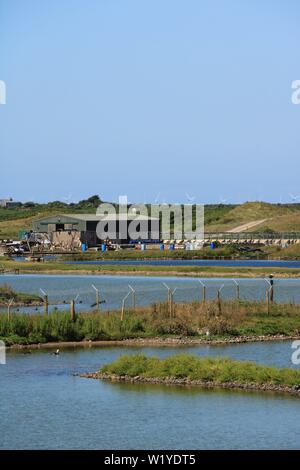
153 99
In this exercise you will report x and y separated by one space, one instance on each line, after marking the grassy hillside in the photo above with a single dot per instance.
279 217
20 218
218 217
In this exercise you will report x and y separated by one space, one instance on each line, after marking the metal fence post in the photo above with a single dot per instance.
46 302
203 291
133 296
219 300
237 289
97 296
123 306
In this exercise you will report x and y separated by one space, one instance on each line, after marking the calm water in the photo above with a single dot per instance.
43 406
63 288
198 262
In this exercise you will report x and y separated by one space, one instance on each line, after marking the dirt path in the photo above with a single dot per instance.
247 226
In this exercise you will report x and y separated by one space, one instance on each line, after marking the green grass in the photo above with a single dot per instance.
7 294
128 254
237 318
30 329
204 271
216 370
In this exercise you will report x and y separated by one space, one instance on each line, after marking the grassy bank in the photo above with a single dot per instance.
226 251
53 267
234 321
207 370
7 294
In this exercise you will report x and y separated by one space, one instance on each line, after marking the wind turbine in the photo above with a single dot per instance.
156 200
222 200
68 199
191 199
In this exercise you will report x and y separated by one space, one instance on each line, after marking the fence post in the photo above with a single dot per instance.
271 288
219 300
172 302
237 289
8 309
203 291
123 306
219 303
122 310
46 305
268 300
169 298
97 296
46 301
133 296
272 294
72 310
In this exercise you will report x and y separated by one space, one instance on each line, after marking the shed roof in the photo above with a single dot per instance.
97 218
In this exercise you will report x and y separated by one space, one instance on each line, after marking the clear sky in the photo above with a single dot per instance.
153 99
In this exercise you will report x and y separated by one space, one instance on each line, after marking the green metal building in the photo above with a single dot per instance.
87 224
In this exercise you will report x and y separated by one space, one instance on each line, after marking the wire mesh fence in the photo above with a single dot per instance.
108 293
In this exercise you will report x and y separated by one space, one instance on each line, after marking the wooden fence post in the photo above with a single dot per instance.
219 302
271 294
238 291
268 301
8 312
204 294
46 305
122 310
72 310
